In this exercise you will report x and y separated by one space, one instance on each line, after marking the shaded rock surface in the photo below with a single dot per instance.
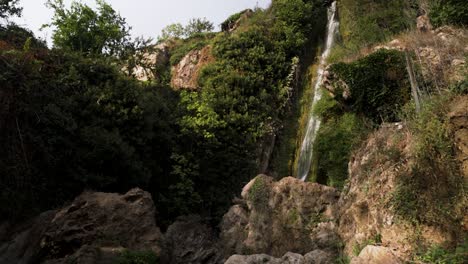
314 257
95 228
189 240
277 217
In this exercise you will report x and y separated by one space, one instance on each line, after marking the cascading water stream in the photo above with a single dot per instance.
305 156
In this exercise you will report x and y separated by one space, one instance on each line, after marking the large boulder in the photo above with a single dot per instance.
314 257
95 228
277 217
375 255
189 240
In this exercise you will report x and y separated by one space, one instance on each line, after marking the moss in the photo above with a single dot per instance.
259 194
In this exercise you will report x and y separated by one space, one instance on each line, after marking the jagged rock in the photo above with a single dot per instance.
185 73
191 241
95 228
319 257
314 257
230 26
334 85
289 215
375 255
150 61
21 244
459 124
423 23
366 205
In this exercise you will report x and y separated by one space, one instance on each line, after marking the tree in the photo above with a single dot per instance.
175 30
9 8
194 27
198 26
82 29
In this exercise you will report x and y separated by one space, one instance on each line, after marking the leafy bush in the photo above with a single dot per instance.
444 12
439 255
378 85
432 190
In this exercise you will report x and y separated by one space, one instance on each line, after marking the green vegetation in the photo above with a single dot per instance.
137 257
83 29
440 255
259 194
73 120
366 22
444 12
432 191
378 89
195 27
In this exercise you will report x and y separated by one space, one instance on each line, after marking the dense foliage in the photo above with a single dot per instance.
71 121
82 29
378 89
449 12
9 8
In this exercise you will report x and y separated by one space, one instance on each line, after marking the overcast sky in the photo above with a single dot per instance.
147 17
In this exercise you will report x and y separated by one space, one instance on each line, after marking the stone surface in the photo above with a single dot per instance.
145 71
314 257
191 241
185 73
459 124
95 228
375 255
277 217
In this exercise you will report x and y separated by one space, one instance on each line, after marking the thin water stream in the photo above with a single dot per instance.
313 125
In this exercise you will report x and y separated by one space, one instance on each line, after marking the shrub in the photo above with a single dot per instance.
378 85
444 12
431 190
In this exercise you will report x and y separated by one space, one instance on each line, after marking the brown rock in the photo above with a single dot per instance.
185 73
376 255
289 215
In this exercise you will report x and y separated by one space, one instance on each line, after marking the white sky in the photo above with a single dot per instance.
146 17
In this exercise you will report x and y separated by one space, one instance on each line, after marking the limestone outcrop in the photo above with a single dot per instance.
277 217
95 228
185 73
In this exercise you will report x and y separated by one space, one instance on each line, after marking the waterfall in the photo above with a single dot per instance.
305 156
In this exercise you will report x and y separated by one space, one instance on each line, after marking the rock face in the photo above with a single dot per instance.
314 257
277 217
189 240
152 61
376 255
185 73
459 121
95 228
